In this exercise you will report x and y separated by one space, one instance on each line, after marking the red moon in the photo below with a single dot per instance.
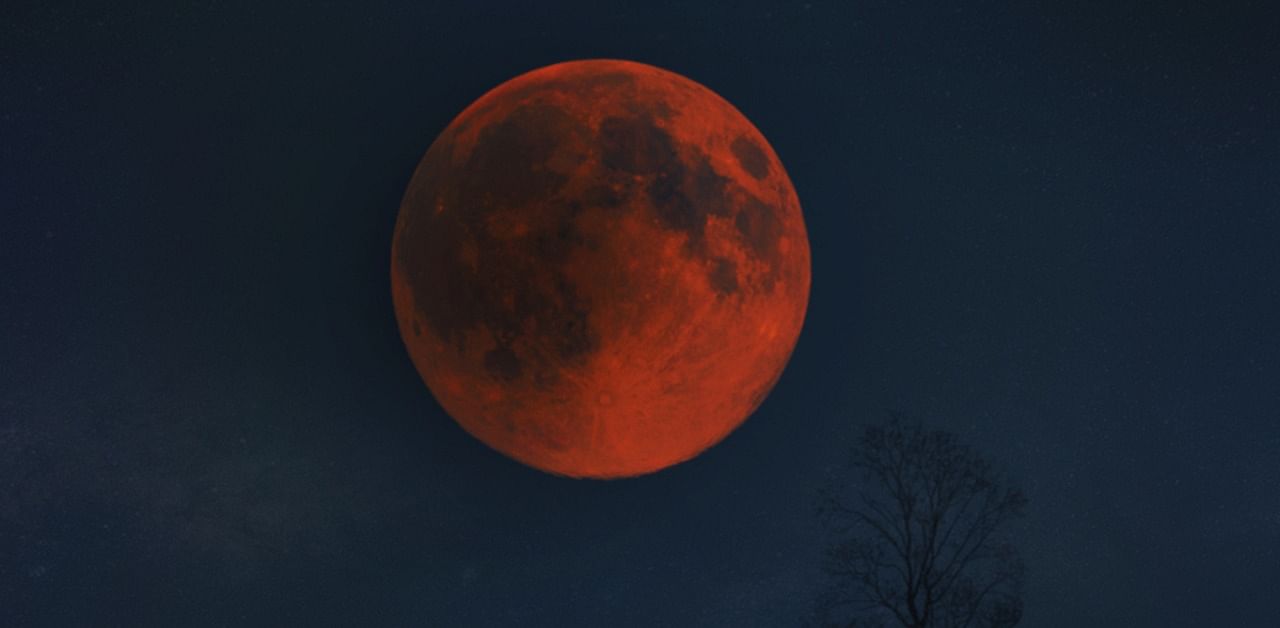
600 268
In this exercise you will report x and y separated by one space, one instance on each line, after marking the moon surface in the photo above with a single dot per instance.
600 268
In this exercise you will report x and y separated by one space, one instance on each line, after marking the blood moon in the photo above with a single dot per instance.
600 268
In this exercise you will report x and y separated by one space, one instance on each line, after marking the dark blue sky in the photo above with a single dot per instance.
1052 229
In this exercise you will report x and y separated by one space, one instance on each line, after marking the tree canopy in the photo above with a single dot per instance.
918 535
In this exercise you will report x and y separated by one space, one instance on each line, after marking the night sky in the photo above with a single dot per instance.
1051 229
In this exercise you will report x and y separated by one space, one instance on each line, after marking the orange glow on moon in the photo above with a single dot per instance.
600 268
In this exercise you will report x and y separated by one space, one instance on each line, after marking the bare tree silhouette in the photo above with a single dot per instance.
919 536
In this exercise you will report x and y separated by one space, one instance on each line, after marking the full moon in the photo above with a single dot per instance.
600 268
